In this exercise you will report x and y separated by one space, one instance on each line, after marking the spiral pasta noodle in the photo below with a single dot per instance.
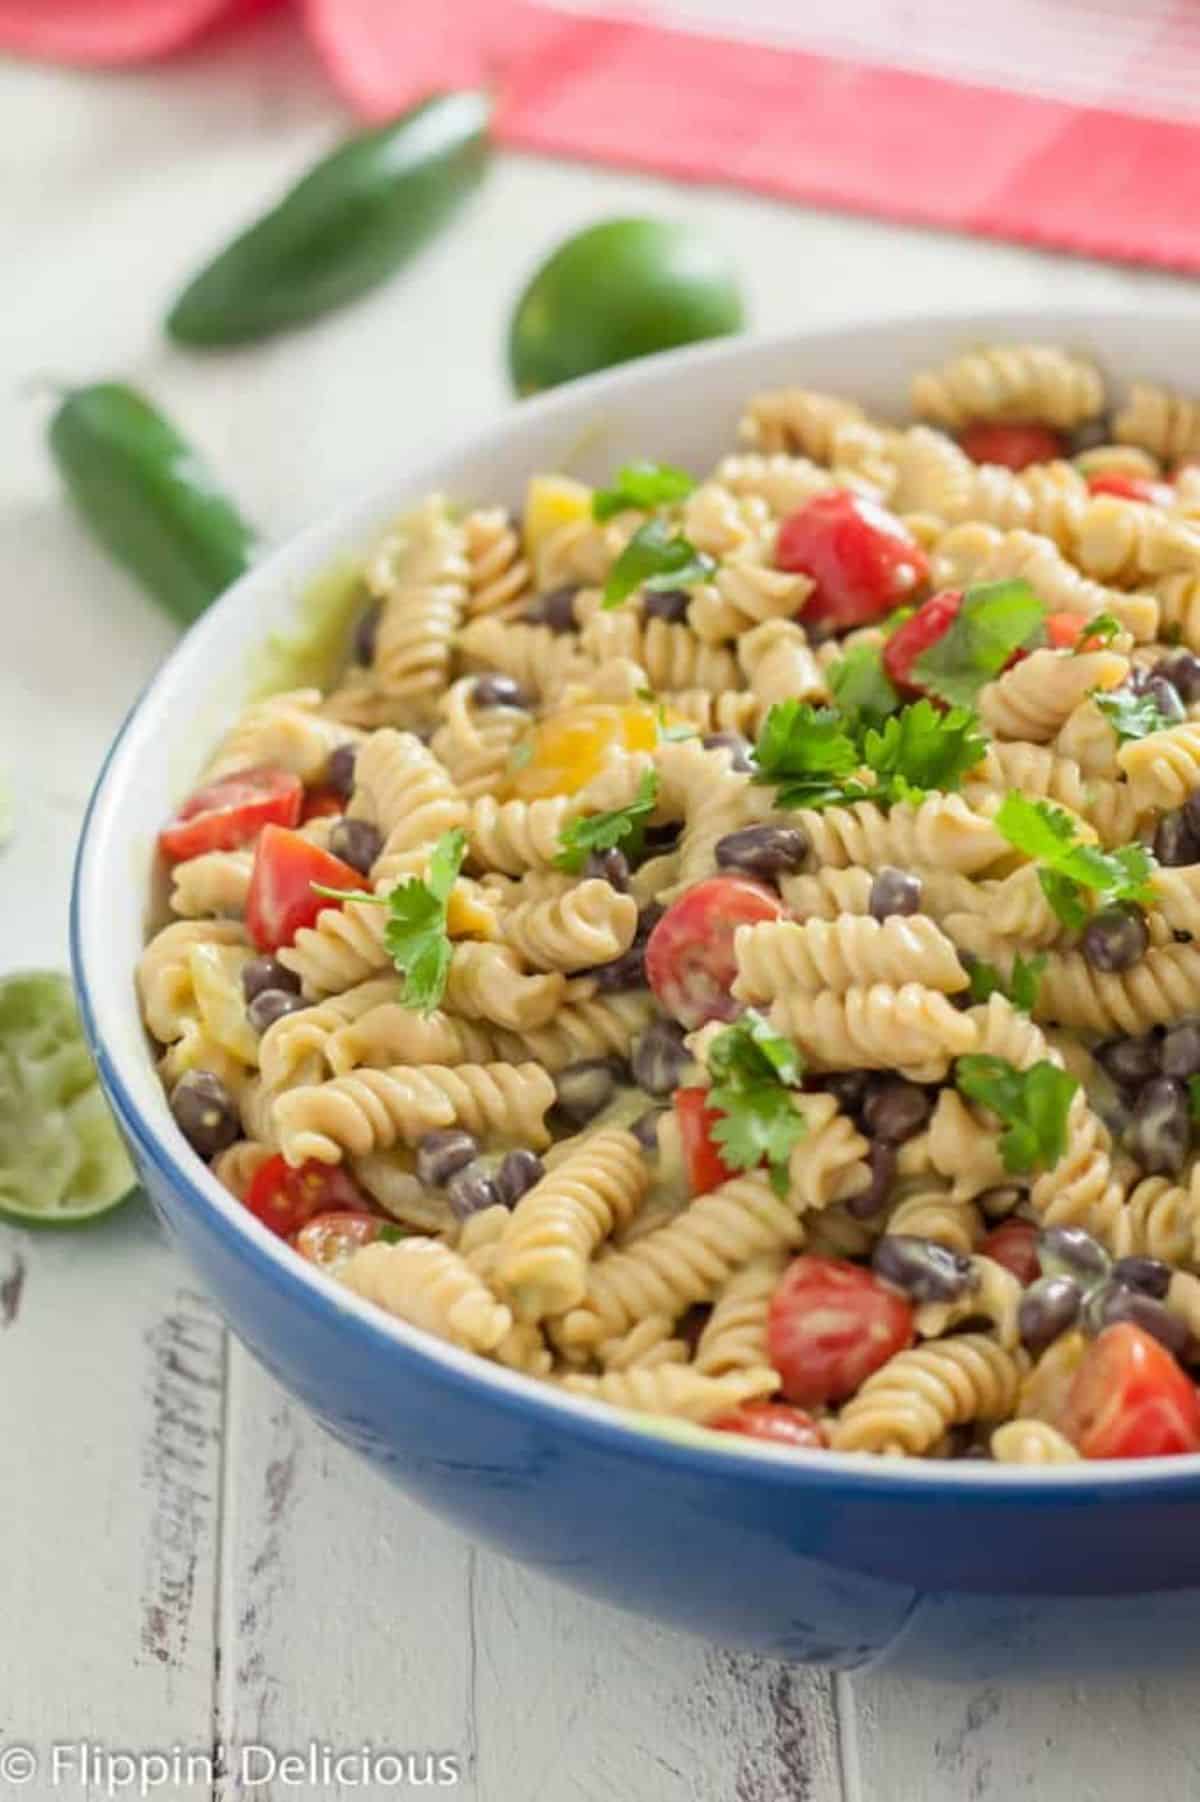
1010 381
543 1260
432 1287
369 1110
919 1394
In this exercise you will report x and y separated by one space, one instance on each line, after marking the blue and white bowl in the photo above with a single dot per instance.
960 1570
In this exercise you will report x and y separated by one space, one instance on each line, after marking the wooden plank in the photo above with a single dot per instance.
110 1410
350 1615
1090 1742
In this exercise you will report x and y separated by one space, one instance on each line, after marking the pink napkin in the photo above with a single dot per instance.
1069 123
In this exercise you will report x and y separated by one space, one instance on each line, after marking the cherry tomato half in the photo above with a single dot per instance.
829 1325
863 560
1015 445
777 1422
286 1200
1132 488
231 811
329 1239
1014 1244
689 955
281 898
706 1168
322 803
932 620
1130 1399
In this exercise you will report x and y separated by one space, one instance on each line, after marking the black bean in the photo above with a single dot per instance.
267 973
1047 1308
205 1112
1070 1251
763 851
693 1324
648 919
881 1160
1166 697
1114 1302
611 866
469 1191
1115 939
659 1057
519 1170
1181 1049
848 1088
1131 1061
1090 435
366 632
922 1268
1182 671
645 1129
441 1154
1161 1134
735 744
585 1088
666 603
895 1109
357 843
339 774
555 609
1176 843
895 892
625 972
1191 813
270 1005
495 690
662 835
1149 1275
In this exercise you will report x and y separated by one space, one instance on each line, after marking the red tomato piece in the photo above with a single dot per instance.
286 1200
282 898
231 811
932 620
689 955
1015 445
322 803
777 1422
1132 488
829 1325
706 1168
863 561
1014 1244
1130 1399
328 1239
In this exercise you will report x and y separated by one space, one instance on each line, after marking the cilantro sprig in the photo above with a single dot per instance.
817 756
1024 981
755 1075
1076 878
624 826
1032 1104
643 486
416 935
993 620
1133 714
861 686
658 558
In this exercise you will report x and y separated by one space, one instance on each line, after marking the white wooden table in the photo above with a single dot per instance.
187 1559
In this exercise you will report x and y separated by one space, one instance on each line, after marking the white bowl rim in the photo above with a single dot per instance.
630 1434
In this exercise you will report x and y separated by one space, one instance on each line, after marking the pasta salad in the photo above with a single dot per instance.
727 946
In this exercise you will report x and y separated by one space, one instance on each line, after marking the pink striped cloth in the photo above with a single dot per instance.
1072 123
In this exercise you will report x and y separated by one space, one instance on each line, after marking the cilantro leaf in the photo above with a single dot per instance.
1132 715
1032 1103
755 1074
993 620
809 754
601 831
921 748
1070 871
415 933
644 486
392 1235
1098 631
658 559
861 688
1022 985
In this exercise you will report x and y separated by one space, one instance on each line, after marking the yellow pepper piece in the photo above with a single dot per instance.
550 502
561 755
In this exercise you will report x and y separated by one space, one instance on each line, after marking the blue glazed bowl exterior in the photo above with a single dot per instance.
960 1571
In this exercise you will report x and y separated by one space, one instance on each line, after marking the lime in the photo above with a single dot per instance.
62 1161
618 290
